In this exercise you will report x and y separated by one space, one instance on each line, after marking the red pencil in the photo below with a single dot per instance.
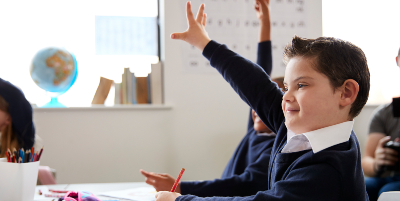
40 154
32 152
177 180
8 157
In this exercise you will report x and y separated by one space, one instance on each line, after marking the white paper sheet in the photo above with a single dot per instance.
140 194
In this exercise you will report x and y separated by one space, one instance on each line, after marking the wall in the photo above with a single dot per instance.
198 129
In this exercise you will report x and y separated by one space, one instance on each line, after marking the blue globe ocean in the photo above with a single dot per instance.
54 70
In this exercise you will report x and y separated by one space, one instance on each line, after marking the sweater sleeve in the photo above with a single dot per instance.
264 59
322 179
250 82
252 180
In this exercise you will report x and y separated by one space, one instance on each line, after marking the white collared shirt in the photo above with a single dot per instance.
267 134
320 139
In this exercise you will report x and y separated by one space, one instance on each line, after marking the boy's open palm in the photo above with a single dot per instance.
161 182
196 33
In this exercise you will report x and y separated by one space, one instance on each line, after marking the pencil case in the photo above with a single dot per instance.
79 196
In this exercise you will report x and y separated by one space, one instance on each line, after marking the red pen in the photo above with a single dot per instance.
177 180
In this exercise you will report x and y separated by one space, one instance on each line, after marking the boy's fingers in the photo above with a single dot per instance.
204 20
144 173
189 13
200 14
180 36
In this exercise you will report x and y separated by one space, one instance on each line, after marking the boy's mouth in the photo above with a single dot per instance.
292 110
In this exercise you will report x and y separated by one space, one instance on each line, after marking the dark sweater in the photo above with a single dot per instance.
247 171
334 173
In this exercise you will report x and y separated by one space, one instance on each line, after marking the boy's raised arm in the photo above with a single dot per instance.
249 80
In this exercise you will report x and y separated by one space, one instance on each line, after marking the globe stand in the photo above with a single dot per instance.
53 103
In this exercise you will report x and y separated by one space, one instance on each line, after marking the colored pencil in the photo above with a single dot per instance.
15 153
8 157
22 154
40 154
177 180
27 156
33 156
58 191
32 152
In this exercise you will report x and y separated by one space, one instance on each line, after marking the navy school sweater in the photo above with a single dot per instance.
247 171
331 174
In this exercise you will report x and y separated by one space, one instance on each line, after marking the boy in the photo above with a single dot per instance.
247 171
316 154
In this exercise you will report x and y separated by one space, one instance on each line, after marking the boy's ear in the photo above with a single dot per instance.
349 91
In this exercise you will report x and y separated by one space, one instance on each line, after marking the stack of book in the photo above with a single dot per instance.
140 90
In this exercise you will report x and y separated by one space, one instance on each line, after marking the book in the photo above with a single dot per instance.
123 89
102 91
141 90
156 84
118 94
128 78
133 78
148 88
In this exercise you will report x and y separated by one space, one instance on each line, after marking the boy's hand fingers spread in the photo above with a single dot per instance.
200 14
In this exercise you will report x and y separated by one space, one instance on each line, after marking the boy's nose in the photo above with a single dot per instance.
288 96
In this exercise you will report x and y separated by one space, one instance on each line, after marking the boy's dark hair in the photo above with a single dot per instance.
337 59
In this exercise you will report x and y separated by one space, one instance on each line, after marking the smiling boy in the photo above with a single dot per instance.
316 155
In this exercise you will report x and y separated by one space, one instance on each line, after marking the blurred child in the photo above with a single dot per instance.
316 155
16 126
247 171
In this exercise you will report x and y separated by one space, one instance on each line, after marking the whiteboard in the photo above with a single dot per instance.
235 23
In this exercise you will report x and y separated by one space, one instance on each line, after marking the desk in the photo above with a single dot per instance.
94 188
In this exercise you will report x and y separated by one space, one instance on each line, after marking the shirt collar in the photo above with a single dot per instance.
326 137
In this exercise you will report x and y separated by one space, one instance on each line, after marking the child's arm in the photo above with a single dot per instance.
249 80
253 179
264 50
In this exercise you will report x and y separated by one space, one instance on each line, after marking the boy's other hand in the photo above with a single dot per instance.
384 156
161 182
166 196
196 33
263 15
262 10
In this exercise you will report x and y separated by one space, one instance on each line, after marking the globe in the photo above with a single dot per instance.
54 70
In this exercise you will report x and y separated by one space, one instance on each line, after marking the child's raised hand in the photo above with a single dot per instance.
166 196
161 182
262 9
196 33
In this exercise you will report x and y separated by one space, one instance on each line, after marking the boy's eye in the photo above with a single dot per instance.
284 89
301 85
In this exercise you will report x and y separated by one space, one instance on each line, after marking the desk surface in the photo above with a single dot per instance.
94 188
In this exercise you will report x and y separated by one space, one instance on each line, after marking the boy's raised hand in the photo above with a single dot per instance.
161 182
262 9
196 33
263 15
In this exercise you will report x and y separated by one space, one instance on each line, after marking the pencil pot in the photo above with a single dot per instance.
18 180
